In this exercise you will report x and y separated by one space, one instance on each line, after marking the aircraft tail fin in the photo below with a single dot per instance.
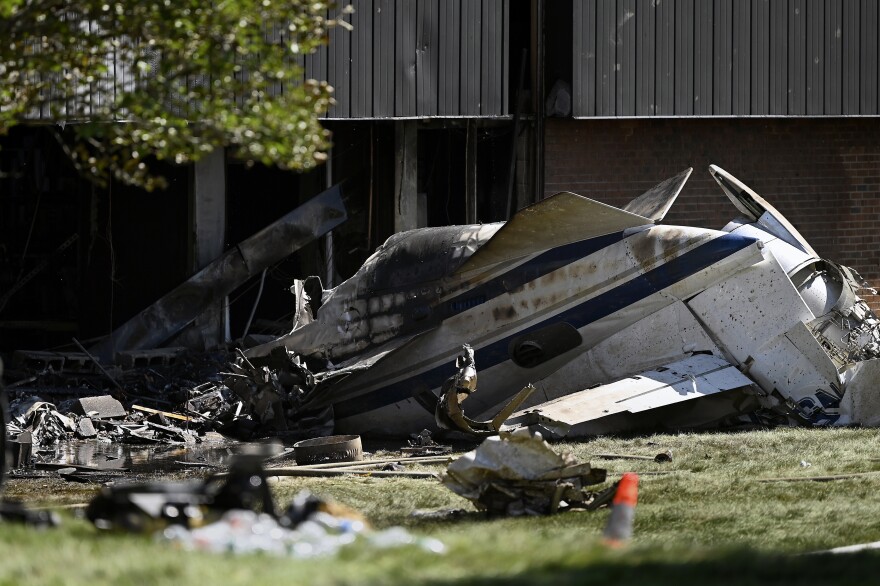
655 202
753 206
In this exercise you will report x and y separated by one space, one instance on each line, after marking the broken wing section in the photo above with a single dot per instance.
693 392
558 220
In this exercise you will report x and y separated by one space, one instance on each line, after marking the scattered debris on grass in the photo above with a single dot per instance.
333 448
235 513
519 474
659 458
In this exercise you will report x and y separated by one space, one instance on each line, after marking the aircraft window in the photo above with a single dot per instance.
535 348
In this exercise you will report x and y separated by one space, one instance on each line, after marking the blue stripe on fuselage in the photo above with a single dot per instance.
579 316
543 264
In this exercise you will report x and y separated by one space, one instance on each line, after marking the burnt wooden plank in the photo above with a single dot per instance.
833 48
584 81
646 48
868 58
664 89
741 77
815 57
722 45
779 57
471 24
362 59
684 57
427 50
850 70
405 58
760 58
450 52
606 57
797 57
703 57
626 57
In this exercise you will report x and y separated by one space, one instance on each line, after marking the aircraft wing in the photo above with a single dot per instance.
566 217
693 392
560 219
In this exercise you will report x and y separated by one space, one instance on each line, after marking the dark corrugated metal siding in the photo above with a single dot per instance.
418 58
725 57
760 62
606 58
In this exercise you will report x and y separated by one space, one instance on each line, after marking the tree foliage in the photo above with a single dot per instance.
168 78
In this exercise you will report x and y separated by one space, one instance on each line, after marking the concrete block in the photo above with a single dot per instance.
103 407
85 428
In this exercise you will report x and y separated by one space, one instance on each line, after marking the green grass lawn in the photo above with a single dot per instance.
707 518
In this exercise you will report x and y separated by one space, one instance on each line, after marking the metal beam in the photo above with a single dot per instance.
170 314
208 224
406 173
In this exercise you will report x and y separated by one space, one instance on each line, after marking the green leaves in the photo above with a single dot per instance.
172 79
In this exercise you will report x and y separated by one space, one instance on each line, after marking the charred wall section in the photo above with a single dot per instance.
75 256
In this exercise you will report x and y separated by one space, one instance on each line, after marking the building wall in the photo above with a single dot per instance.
823 174
723 57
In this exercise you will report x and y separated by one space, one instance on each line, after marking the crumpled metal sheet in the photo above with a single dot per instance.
519 473
47 424
449 413
274 388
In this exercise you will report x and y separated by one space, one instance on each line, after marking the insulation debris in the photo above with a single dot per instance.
519 474
235 513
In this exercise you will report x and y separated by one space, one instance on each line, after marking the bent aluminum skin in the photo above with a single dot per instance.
572 293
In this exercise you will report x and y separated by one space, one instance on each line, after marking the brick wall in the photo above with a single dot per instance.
823 174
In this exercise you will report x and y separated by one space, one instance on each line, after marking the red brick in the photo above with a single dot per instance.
823 174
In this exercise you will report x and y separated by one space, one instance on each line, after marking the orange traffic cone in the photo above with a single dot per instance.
623 510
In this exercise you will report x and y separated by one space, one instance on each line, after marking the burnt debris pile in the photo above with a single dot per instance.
172 397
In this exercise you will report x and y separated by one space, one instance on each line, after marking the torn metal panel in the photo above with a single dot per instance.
449 413
174 311
612 407
861 402
391 298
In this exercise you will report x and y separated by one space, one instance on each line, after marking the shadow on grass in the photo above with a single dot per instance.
740 567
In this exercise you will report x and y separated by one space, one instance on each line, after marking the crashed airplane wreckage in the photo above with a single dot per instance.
620 323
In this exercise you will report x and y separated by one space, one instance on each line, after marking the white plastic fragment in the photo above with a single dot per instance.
322 535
